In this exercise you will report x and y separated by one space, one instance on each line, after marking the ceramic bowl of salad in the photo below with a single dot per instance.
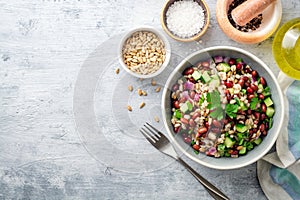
222 107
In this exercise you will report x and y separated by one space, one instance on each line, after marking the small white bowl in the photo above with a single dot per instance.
158 34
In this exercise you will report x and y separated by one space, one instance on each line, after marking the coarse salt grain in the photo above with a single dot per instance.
185 18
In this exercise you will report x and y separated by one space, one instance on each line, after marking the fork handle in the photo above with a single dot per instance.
212 190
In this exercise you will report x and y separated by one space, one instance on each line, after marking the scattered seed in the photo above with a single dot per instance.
153 82
142 104
117 71
144 93
157 89
130 88
156 119
140 92
129 108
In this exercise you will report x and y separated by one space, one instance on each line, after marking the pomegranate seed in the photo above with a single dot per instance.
239 66
229 84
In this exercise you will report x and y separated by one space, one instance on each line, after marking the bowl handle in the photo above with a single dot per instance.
284 81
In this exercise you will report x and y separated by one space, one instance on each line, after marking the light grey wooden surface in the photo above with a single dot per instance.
47 147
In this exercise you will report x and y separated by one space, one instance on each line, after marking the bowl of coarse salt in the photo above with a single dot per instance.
185 20
144 52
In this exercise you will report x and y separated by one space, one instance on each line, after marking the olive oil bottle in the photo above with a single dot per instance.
286 48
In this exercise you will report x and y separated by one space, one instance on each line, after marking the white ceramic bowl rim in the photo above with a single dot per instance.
160 35
234 165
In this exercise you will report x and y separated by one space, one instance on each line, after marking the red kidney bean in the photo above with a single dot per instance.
192 80
249 111
261 96
257 115
262 127
188 71
206 125
196 147
176 104
192 123
226 92
247 84
249 90
263 108
177 129
216 130
231 61
195 115
239 66
254 130
187 140
254 73
251 96
228 97
263 116
185 121
202 130
241 82
254 87
245 78
192 94
266 126
216 123
264 132
263 81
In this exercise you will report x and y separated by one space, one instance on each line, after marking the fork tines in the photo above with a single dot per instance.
150 132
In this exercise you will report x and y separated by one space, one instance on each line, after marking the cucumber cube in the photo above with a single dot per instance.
268 102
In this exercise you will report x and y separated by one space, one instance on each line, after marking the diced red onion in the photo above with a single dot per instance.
197 97
218 59
188 85
185 94
212 151
226 59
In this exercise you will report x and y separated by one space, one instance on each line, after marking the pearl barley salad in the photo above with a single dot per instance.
222 107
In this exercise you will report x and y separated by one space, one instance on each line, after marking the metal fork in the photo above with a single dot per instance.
162 143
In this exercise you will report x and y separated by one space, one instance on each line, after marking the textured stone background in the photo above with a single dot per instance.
43 45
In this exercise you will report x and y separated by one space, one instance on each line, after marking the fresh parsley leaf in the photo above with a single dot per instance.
217 113
253 103
231 110
214 99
